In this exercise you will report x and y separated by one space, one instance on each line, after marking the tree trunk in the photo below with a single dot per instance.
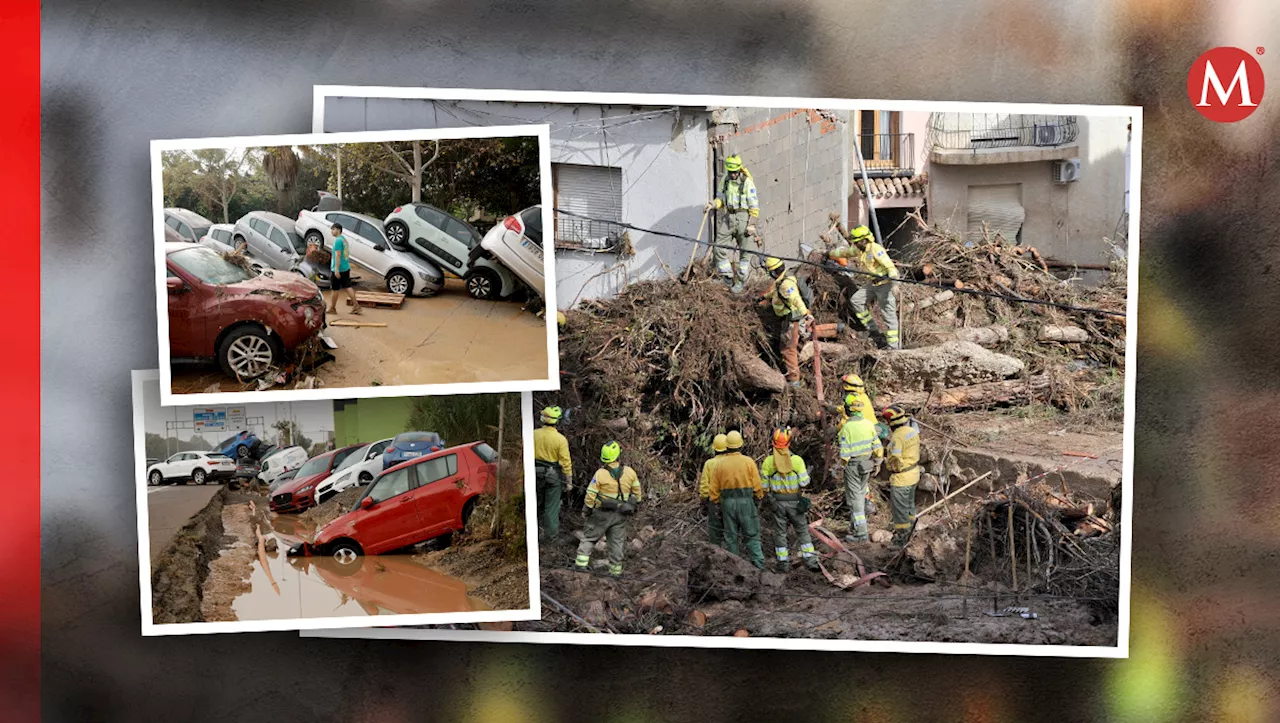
415 183
754 373
1065 334
977 396
987 336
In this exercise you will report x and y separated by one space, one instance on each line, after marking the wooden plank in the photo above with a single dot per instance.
353 322
379 299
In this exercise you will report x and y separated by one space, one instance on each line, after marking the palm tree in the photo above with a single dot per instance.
281 166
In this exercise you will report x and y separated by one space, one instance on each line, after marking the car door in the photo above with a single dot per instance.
393 519
281 247
359 248
257 240
176 466
439 495
430 235
186 322
373 246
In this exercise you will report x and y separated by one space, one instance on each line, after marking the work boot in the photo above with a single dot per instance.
782 567
812 564
727 280
737 288
581 568
852 539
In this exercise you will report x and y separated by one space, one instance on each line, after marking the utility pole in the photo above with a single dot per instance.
866 186
497 483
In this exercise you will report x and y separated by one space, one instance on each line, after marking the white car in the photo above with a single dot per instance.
271 239
188 224
517 244
220 239
359 468
281 460
432 234
199 467
367 245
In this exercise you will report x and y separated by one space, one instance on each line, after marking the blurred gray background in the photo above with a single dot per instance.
119 73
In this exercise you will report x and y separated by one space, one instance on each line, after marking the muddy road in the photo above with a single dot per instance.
444 339
230 563
169 508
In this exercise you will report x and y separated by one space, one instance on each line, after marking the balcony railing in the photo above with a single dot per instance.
981 131
888 154
586 234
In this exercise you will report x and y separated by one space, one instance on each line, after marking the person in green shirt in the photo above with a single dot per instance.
340 265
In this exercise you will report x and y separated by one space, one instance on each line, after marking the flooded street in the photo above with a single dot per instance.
444 339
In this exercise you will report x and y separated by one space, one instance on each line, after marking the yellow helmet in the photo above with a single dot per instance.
861 232
733 440
609 452
551 415
720 443
773 265
733 163
852 404
895 415
560 320
852 383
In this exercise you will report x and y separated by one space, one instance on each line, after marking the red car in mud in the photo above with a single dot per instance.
299 493
412 502
248 322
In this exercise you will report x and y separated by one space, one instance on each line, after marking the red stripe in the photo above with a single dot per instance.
19 384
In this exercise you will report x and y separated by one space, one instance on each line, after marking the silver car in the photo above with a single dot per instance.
190 225
271 239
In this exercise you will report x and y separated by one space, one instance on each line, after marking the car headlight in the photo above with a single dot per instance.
308 488
424 276
308 314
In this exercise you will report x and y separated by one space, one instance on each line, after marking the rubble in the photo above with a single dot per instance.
951 364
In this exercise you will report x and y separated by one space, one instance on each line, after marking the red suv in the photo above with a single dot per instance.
248 322
299 493
412 502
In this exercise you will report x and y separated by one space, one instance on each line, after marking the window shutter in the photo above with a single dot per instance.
999 207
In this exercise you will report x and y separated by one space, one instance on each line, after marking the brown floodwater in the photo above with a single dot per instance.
283 587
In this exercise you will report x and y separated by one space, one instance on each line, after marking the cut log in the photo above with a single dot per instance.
929 301
616 425
987 336
977 396
830 350
754 373
1064 334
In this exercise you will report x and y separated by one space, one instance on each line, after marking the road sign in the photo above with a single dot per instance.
209 418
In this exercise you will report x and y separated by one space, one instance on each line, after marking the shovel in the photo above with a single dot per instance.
688 269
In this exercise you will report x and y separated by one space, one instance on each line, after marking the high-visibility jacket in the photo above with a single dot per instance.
873 260
859 441
904 456
783 483
868 411
551 446
732 472
704 481
604 487
787 300
739 195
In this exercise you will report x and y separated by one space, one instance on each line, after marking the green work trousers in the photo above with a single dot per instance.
857 477
740 518
881 295
612 526
731 230
549 486
787 514
715 521
903 501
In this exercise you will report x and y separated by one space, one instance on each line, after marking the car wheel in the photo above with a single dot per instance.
248 352
314 237
398 235
346 553
483 284
156 479
467 509
242 452
198 477
365 478
399 282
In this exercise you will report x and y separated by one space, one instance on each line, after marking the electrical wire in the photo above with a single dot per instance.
972 292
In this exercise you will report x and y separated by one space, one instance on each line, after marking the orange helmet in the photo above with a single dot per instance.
782 437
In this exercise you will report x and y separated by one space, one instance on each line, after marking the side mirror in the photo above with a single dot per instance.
175 285
379 247
366 503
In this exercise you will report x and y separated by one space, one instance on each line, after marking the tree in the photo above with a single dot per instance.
290 435
218 175
464 418
409 172
281 166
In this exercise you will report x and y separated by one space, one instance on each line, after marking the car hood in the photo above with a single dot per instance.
281 283
297 483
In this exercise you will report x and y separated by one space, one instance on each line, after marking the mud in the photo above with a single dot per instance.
179 573
330 510
226 579
443 339
498 580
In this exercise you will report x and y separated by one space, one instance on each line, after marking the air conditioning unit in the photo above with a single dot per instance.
1066 171
1054 135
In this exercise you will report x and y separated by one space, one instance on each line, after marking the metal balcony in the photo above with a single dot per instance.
973 138
886 155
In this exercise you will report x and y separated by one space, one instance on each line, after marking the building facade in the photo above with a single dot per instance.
356 421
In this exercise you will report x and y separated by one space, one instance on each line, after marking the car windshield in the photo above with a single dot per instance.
352 459
200 231
341 455
486 452
315 465
417 437
208 265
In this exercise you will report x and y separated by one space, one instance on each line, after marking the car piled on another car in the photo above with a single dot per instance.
368 248
359 468
516 243
445 240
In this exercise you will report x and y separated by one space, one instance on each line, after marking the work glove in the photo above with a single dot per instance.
751 229
710 206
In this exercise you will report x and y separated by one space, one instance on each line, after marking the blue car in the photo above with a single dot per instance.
238 446
408 445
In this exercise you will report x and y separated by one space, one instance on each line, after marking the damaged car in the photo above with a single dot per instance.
422 499
516 244
188 224
434 235
248 323
367 245
299 493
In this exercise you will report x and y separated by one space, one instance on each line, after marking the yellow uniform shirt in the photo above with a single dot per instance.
733 471
904 456
603 485
551 446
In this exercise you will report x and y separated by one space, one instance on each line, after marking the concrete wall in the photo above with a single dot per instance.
664 162
368 420
799 160
1065 221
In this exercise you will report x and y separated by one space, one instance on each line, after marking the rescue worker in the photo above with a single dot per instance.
553 470
790 306
871 258
611 499
784 475
737 194
734 482
861 452
715 524
902 460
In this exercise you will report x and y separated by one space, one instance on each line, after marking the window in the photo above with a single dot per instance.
485 452
434 470
223 235
462 232
199 232
431 216
371 233
277 238
351 461
532 219
378 449
594 195
389 485
259 225
177 457
883 144
341 455
172 222
208 265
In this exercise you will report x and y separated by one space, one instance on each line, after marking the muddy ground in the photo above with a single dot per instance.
493 575
444 339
